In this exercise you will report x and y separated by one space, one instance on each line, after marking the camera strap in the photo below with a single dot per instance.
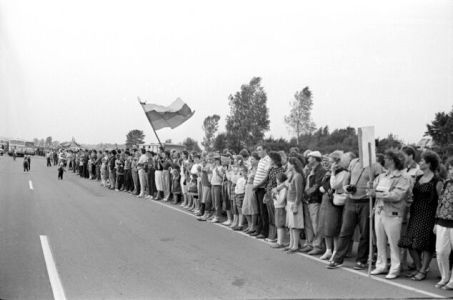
360 176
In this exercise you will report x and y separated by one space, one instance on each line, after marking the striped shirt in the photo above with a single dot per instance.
261 171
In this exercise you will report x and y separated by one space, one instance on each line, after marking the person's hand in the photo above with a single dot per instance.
294 208
370 192
435 229
322 190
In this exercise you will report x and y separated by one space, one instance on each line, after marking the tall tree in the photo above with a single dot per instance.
36 141
220 142
135 137
441 128
191 145
248 119
49 141
299 119
210 127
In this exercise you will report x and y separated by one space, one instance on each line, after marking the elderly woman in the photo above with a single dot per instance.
391 189
335 201
419 238
444 230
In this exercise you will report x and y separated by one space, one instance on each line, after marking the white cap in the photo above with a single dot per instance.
315 154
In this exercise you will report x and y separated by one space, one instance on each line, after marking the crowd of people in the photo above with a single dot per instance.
317 200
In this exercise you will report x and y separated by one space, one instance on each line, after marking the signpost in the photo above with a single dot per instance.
367 153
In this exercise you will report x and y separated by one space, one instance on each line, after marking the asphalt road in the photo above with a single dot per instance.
111 245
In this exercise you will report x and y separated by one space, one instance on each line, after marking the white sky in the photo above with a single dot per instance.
75 68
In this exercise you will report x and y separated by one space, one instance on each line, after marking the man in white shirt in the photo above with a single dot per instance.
142 162
258 186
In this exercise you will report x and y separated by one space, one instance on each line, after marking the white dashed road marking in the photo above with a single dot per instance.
54 278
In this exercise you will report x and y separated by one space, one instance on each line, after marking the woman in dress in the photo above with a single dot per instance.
250 206
334 203
419 238
294 210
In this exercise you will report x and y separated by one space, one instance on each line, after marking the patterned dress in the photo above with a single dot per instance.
419 235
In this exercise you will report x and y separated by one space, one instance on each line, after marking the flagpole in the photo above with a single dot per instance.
141 104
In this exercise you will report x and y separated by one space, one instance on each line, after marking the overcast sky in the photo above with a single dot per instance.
75 68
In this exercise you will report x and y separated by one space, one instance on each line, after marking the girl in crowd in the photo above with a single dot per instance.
279 194
444 230
250 205
231 207
419 238
334 207
239 194
176 187
390 189
205 188
294 210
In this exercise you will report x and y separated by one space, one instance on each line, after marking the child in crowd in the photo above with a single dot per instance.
176 184
279 197
239 193
61 170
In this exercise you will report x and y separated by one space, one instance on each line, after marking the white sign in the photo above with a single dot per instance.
367 146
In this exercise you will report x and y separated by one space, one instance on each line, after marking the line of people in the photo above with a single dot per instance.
318 199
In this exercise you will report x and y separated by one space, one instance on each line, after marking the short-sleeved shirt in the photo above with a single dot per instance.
261 171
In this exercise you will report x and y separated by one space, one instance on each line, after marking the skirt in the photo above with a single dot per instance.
158 179
333 216
280 217
238 202
294 221
250 205
166 182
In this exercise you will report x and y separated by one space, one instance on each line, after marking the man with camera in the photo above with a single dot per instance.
356 212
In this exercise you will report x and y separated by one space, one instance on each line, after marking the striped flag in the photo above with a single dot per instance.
167 116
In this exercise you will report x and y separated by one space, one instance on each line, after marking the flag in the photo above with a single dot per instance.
167 116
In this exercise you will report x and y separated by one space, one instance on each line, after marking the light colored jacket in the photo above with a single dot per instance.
396 186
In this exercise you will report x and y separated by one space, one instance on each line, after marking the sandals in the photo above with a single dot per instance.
419 276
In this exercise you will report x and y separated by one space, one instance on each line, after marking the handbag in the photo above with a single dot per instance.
339 199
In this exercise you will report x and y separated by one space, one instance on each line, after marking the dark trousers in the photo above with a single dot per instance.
263 217
216 191
48 162
128 180
60 174
152 182
119 181
354 213
81 171
98 172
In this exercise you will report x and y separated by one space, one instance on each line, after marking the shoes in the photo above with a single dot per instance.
378 271
214 220
292 251
201 219
227 223
420 276
315 251
391 276
306 249
199 214
147 196
277 246
447 287
270 240
326 256
260 236
237 228
360 266
117 190
253 233
247 230
333 265
440 285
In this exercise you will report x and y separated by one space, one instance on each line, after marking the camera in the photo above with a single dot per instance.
352 189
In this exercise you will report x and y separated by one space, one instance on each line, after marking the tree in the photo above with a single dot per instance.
248 119
135 137
36 141
191 145
220 142
441 130
210 127
390 142
49 141
299 118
